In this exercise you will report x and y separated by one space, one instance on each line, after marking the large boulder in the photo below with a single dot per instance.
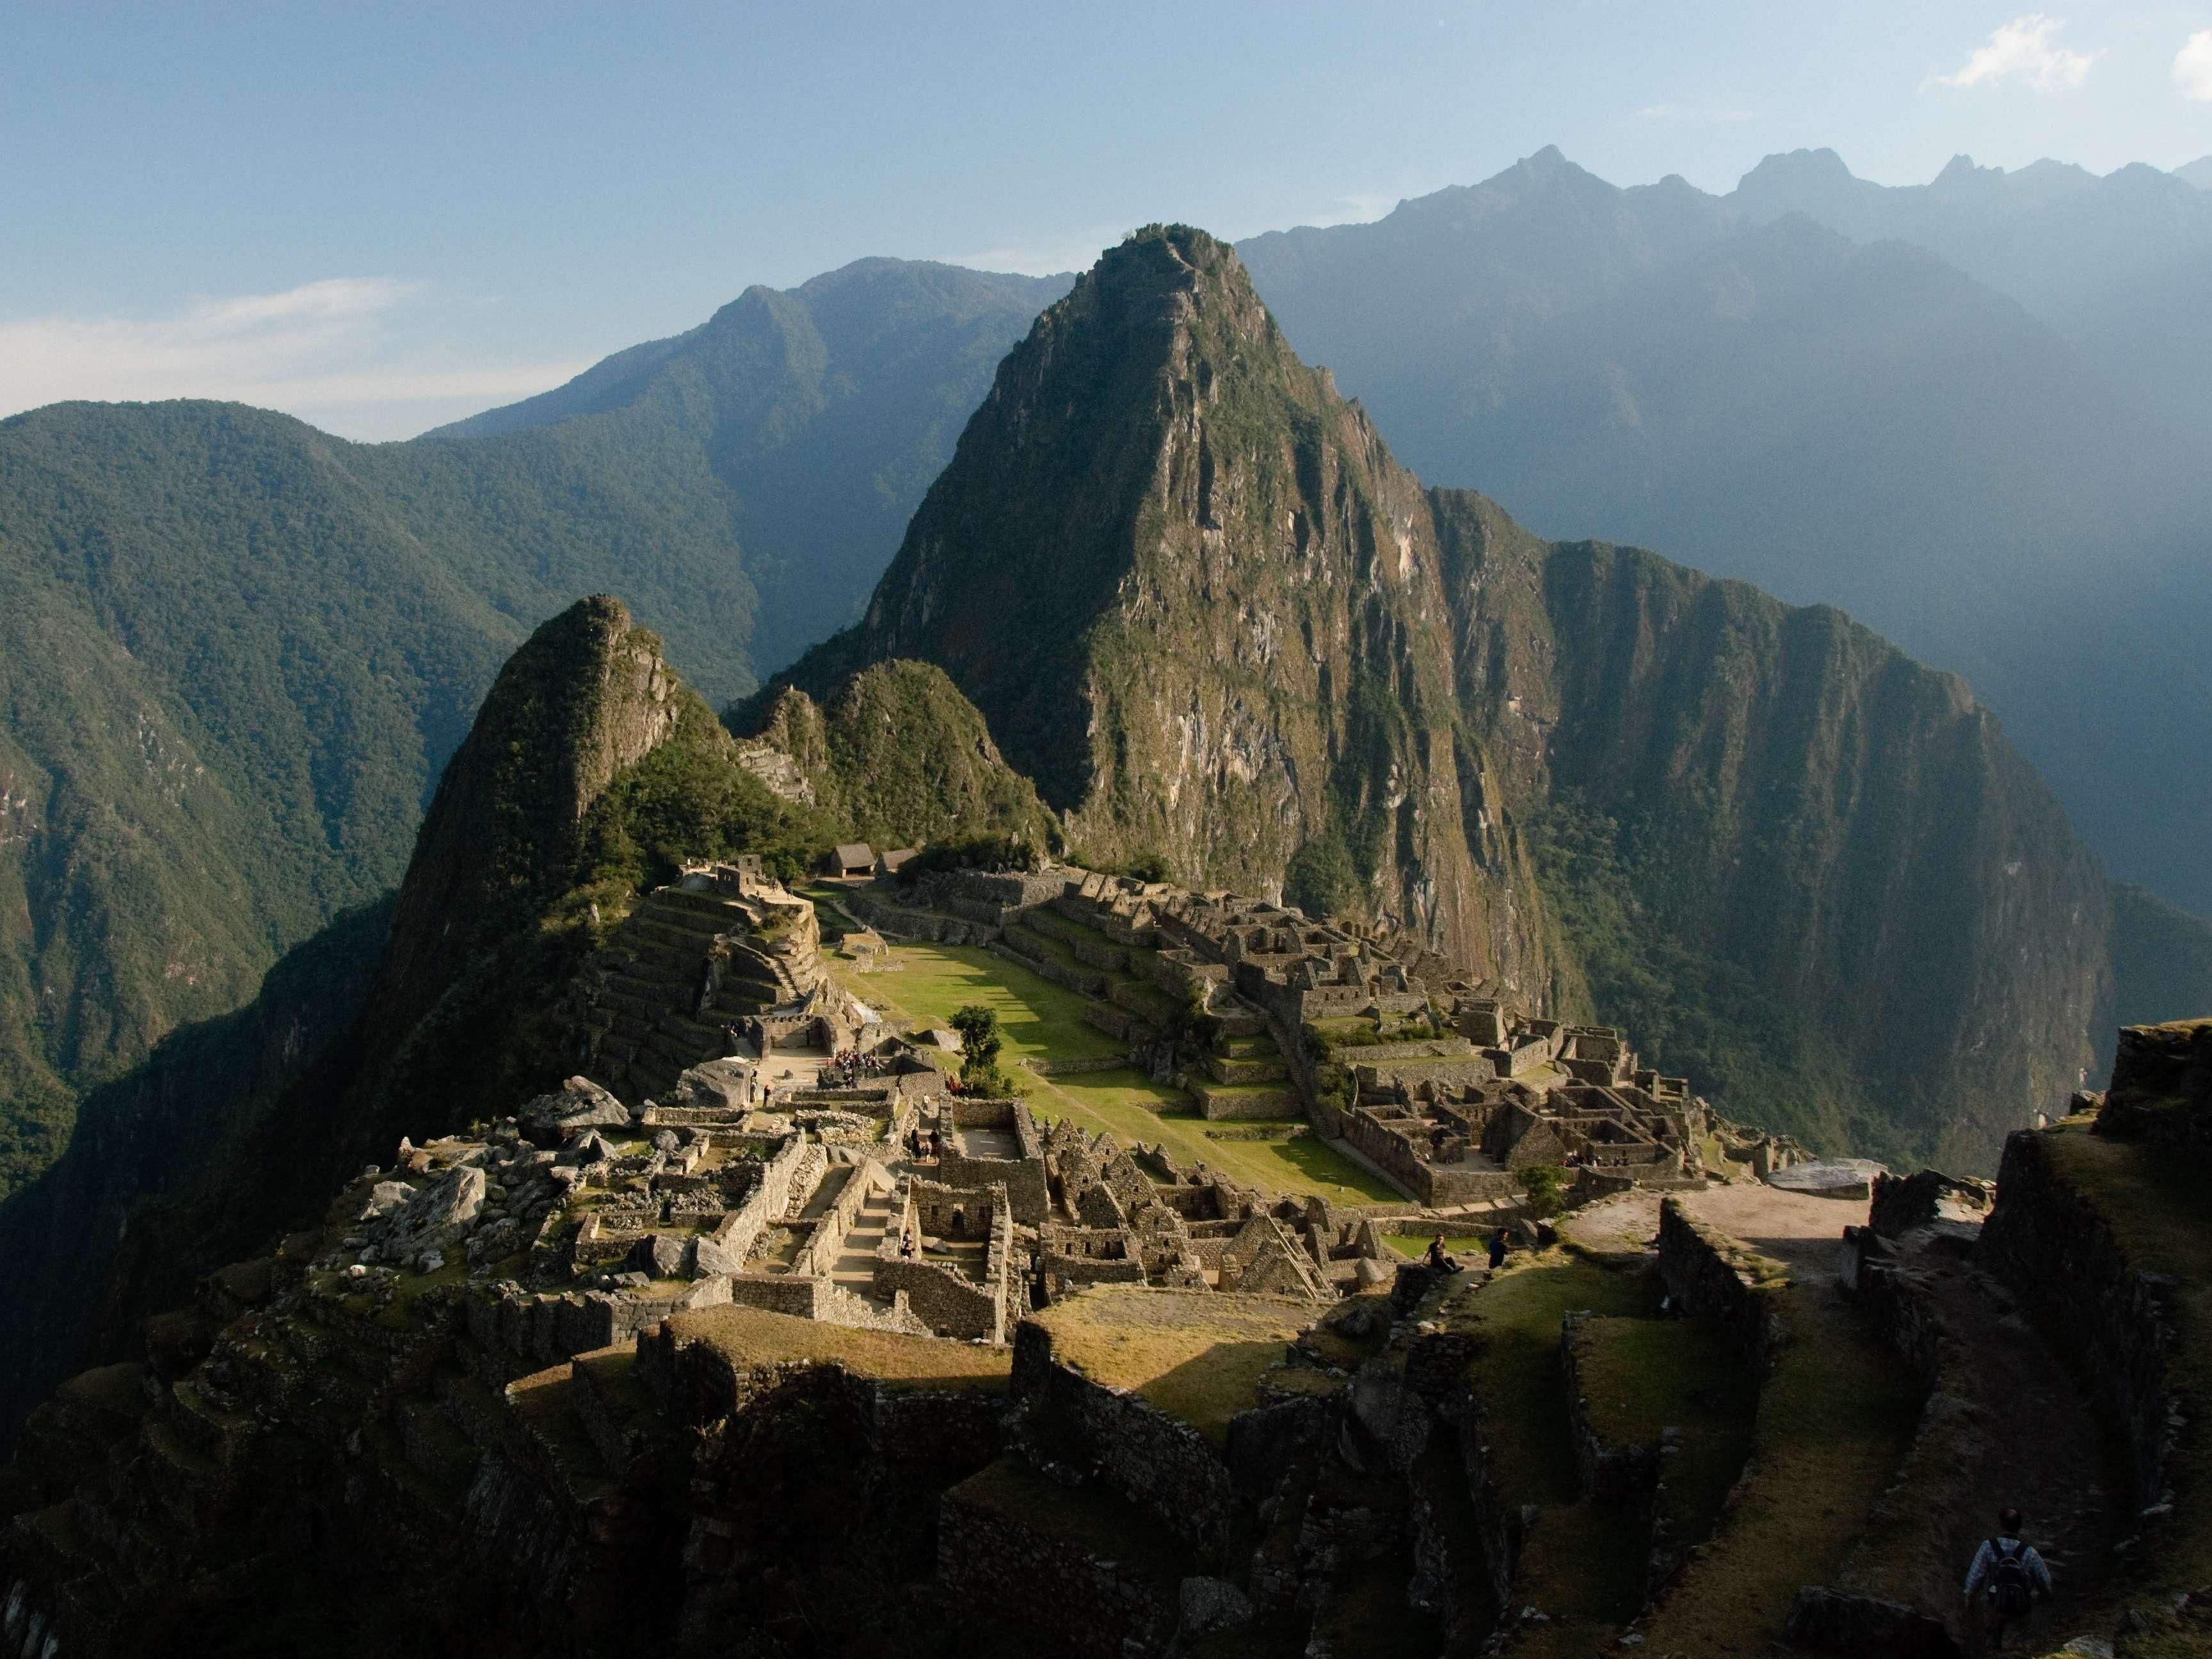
439 1216
1830 1177
1902 1203
720 1084
576 1105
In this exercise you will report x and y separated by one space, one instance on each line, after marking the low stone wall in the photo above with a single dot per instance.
1162 1465
942 1300
818 1255
1602 1469
725 1249
2054 1248
795 1294
1716 1276
1044 1067
1082 980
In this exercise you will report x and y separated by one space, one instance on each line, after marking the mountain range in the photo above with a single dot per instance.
240 650
1196 599
1972 412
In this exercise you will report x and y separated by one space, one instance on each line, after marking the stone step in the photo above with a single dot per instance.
1267 1069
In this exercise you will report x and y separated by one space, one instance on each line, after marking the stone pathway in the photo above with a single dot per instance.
2018 1432
856 1268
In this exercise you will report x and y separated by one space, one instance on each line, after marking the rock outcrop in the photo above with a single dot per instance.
1198 602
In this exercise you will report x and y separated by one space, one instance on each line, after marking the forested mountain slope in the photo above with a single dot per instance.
1198 601
237 651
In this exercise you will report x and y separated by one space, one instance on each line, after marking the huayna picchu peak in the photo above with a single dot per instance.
1255 1062
1197 601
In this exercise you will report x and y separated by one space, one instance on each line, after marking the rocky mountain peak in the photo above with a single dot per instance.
582 698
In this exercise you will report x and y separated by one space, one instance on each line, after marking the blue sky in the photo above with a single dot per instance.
382 217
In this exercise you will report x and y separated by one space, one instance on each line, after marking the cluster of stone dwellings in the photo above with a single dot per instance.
1458 1118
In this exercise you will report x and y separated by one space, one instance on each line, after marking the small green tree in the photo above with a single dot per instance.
980 1044
1542 1184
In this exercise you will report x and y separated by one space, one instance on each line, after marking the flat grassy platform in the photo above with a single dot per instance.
1196 1355
753 1336
1132 1107
1043 1021
1038 1019
1834 1421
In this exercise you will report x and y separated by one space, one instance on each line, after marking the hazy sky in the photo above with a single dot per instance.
381 216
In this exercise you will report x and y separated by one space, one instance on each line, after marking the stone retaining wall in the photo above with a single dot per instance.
1715 1275
1159 1463
2053 1246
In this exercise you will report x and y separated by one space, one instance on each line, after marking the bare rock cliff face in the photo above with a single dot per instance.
1200 603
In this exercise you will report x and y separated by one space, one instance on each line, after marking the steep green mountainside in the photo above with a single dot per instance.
814 417
1196 599
234 651
900 758
1901 425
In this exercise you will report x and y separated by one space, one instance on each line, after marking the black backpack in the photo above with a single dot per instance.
2010 1587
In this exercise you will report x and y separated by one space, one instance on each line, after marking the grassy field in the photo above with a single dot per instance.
1044 1021
1039 1019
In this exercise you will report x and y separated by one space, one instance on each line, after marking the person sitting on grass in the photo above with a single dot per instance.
1437 1259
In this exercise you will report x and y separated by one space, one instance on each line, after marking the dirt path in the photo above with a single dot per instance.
2017 1431
1793 1227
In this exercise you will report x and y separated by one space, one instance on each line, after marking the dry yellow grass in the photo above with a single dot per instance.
1196 1355
751 1336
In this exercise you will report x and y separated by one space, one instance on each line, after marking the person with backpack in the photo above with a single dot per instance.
2011 1573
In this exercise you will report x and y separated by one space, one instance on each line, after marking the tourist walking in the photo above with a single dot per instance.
2009 1576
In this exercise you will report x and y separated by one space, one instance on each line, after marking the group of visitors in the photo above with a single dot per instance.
849 1067
924 1144
1444 1263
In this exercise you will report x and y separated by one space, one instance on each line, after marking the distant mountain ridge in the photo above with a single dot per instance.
1903 401
863 376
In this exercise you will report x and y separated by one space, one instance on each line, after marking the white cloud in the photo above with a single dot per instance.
314 350
2192 66
1689 112
2023 51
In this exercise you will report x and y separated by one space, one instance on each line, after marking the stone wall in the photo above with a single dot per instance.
1716 1276
725 1249
827 1241
1084 1605
2056 1250
948 1303
1160 1464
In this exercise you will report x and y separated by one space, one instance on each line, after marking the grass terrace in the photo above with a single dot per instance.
1039 1020
1132 1107
750 1337
1196 1355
